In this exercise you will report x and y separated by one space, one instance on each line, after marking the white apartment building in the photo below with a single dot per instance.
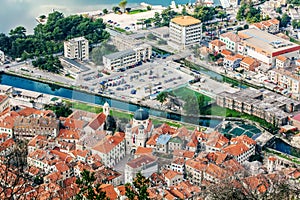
231 40
185 31
111 149
77 48
286 79
265 47
126 58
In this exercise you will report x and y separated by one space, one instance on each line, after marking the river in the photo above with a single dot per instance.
45 88
15 13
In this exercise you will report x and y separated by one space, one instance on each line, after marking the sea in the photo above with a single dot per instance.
15 13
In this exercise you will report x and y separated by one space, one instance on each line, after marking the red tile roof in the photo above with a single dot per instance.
97 121
108 143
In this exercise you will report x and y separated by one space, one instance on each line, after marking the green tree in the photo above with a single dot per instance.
115 9
59 110
285 19
162 97
123 4
157 19
104 49
149 8
184 11
88 189
105 11
138 189
279 10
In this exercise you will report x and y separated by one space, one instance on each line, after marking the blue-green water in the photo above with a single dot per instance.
23 12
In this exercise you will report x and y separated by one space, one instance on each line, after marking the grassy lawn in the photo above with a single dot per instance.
159 122
121 115
84 106
185 92
132 12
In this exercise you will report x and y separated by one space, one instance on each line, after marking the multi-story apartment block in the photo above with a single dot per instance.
77 48
282 62
270 26
287 79
231 40
265 47
126 58
272 107
28 127
185 31
111 149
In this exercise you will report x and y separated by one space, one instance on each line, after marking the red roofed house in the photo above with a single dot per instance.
143 151
282 62
239 151
111 149
231 62
216 46
249 64
109 191
172 177
97 124
68 135
215 142
7 147
271 25
231 40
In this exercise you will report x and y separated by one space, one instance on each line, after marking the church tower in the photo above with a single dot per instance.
106 109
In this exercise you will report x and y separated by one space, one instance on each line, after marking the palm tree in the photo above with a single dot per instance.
123 4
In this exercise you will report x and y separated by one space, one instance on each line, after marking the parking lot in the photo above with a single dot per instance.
142 81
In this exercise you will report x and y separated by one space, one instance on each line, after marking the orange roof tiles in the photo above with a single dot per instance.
225 52
236 149
170 174
6 144
185 20
248 61
68 134
243 139
231 36
152 139
109 191
282 58
36 138
62 167
108 143
144 159
217 43
143 150
29 111
97 121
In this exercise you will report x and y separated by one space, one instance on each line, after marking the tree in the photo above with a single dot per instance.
284 20
88 189
123 4
138 189
279 10
157 19
115 9
149 8
162 97
105 11
59 110
184 11
98 52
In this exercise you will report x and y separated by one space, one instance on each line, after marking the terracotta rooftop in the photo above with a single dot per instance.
231 36
185 20
97 121
142 160
108 143
236 149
